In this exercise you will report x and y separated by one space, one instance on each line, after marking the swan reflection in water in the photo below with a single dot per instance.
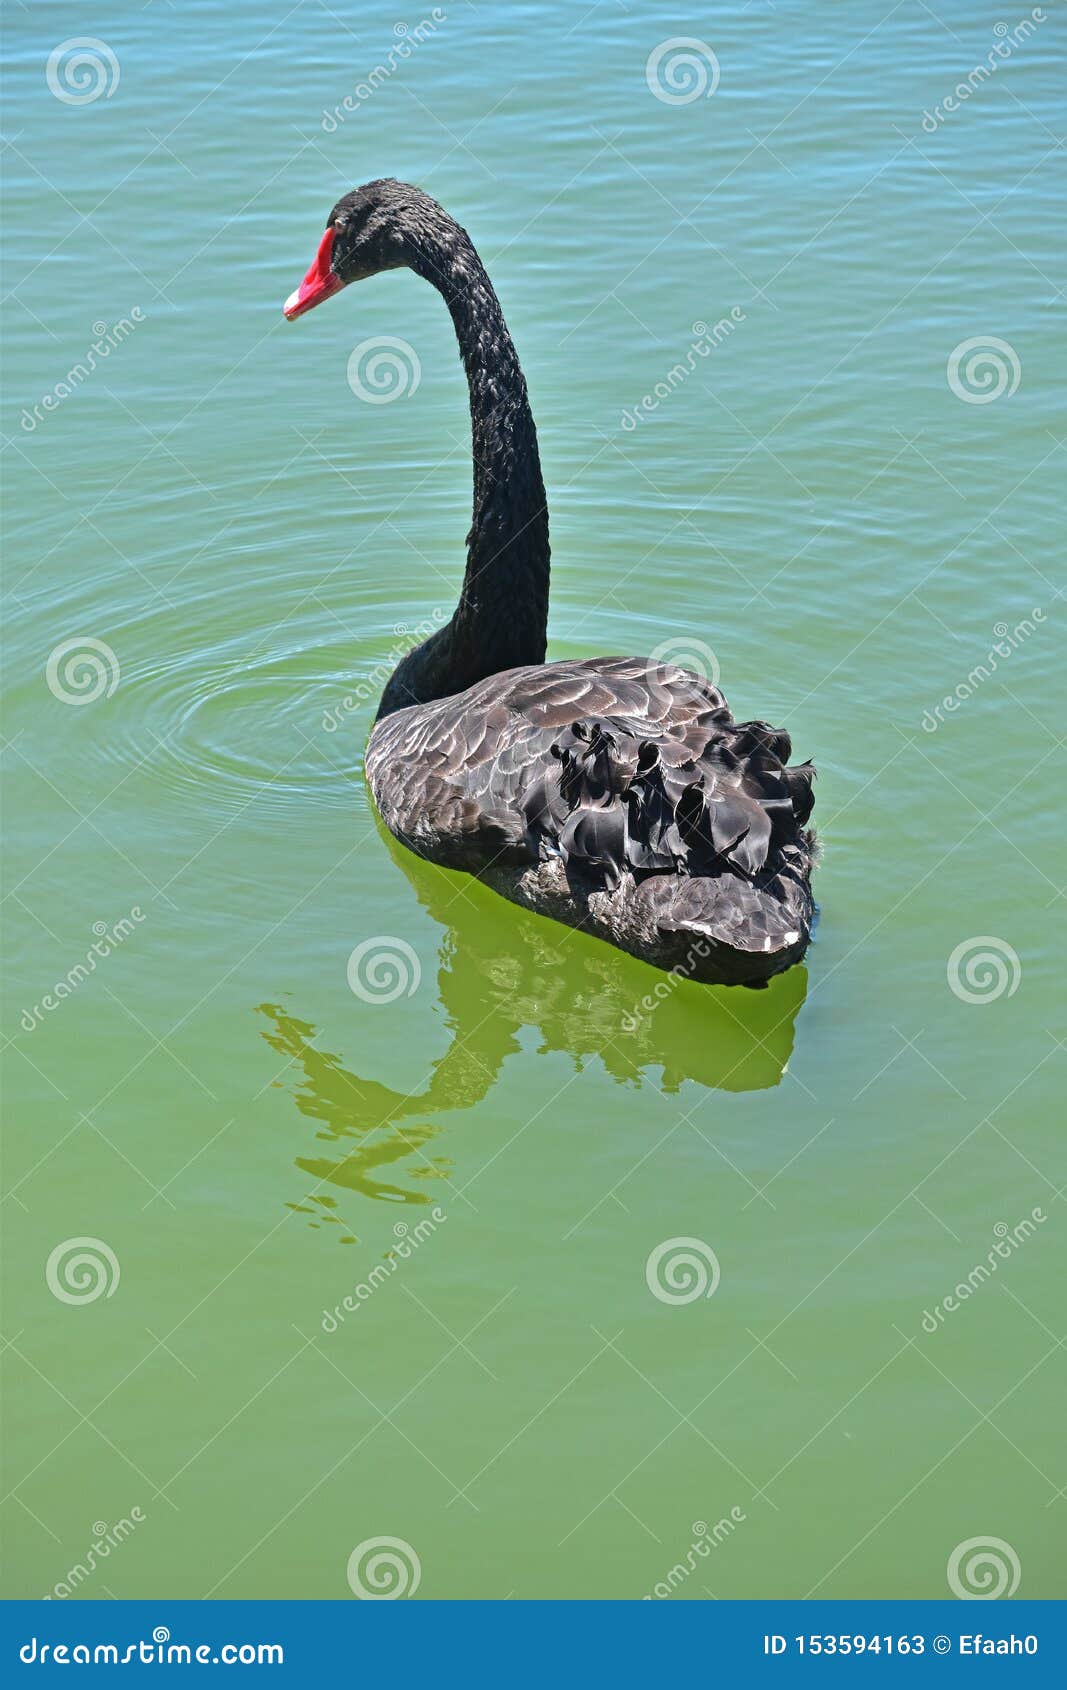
499 973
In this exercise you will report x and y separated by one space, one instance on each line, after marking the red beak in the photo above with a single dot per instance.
319 283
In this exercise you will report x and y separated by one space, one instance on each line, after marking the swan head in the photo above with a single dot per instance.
380 226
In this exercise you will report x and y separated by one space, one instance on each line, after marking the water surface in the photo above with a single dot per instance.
520 1117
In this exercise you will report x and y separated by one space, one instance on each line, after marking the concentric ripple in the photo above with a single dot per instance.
274 715
229 733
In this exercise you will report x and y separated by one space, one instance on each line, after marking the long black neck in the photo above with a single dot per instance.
501 618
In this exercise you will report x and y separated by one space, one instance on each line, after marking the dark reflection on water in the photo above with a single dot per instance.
505 970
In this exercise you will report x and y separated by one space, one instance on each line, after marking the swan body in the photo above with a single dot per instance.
615 794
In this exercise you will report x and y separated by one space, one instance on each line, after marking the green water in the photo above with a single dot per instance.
250 540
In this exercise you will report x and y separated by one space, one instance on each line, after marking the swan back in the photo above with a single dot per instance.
619 795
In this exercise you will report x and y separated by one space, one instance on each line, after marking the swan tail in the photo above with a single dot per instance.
732 932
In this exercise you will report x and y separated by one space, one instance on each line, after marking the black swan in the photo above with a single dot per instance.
616 794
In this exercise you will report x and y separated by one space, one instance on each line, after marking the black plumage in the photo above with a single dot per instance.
617 794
